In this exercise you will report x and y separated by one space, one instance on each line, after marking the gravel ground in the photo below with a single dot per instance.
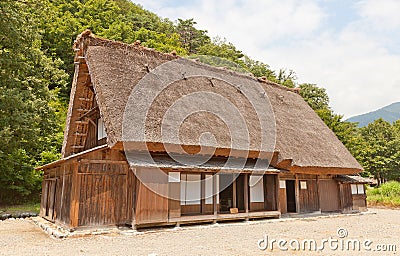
381 226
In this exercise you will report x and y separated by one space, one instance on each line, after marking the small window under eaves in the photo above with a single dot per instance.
101 130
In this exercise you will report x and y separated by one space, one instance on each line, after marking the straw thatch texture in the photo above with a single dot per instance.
302 139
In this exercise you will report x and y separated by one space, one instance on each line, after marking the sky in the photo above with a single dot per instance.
349 47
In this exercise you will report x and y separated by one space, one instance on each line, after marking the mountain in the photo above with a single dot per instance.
389 113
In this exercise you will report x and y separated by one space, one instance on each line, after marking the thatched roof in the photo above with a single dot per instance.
355 179
303 141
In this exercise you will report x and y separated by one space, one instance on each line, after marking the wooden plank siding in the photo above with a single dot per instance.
329 195
92 190
346 200
308 198
103 194
151 207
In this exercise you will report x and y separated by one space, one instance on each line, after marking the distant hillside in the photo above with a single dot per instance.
389 113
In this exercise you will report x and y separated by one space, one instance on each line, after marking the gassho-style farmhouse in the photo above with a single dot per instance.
106 177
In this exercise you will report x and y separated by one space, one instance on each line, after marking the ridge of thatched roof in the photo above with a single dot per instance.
304 142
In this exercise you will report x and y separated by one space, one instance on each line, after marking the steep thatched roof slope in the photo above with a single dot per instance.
304 142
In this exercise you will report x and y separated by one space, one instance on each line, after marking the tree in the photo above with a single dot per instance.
190 37
381 148
315 96
27 120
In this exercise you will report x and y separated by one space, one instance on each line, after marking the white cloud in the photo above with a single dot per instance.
250 22
383 14
354 62
357 72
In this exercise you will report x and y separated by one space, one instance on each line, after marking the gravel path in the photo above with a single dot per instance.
381 226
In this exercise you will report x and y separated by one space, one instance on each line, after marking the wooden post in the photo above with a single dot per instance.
62 193
75 194
341 197
214 178
297 191
203 193
234 191
246 192
319 202
277 203
135 199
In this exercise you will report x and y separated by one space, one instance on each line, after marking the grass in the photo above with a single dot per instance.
387 194
20 208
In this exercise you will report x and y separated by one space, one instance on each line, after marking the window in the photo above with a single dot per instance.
256 189
190 189
357 189
101 130
174 177
360 188
354 189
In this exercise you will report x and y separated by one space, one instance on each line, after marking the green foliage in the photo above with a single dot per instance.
380 150
387 194
191 38
315 96
27 120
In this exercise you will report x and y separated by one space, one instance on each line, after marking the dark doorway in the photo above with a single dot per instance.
290 195
226 195
240 192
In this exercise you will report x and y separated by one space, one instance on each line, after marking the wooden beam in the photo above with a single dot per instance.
214 177
277 201
97 161
134 206
246 192
75 196
80 134
319 203
62 192
81 122
234 191
203 192
297 192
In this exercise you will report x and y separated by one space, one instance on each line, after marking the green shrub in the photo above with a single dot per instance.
387 194
391 189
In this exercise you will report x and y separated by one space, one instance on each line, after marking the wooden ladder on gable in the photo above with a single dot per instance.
85 104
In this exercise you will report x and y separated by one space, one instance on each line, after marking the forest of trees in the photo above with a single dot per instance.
36 62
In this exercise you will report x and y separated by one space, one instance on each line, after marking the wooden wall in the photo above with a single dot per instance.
359 202
56 194
322 193
151 207
270 192
89 190
103 194
308 198
329 195
346 200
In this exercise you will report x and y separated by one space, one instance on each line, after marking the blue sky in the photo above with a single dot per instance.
351 48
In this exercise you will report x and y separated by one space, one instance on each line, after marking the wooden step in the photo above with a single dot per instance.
80 134
82 122
84 99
